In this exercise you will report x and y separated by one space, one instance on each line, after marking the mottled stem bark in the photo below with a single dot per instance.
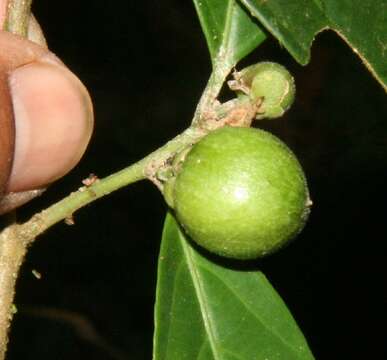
12 251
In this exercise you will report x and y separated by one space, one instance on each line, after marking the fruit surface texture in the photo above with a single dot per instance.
241 193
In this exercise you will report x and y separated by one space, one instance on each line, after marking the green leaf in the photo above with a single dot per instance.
205 311
230 32
361 23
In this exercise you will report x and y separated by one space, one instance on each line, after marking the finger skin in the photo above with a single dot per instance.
7 132
50 109
53 124
3 10
7 125
10 58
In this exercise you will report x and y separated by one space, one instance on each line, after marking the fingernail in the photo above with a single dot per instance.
53 121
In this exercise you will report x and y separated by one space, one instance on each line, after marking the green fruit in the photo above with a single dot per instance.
274 84
240 193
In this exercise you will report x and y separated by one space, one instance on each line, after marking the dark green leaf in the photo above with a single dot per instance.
361 23
230 32
206 311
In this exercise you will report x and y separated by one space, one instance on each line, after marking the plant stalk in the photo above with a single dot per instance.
18 16
143 169
12 251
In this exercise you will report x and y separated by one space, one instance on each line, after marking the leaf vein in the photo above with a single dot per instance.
205 311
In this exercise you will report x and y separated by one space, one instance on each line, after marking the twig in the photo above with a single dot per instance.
220 71
12 252
145 168
18 16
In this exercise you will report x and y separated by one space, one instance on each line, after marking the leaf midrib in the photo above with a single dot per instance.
204 308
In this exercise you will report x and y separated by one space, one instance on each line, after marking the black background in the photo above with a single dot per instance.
145 64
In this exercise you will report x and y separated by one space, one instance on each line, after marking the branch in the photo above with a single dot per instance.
143 169
18 16
12 252
218 76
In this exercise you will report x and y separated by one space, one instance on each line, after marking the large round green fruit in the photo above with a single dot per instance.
240 193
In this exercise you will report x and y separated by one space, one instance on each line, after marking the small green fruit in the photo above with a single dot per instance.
240 193
274 84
